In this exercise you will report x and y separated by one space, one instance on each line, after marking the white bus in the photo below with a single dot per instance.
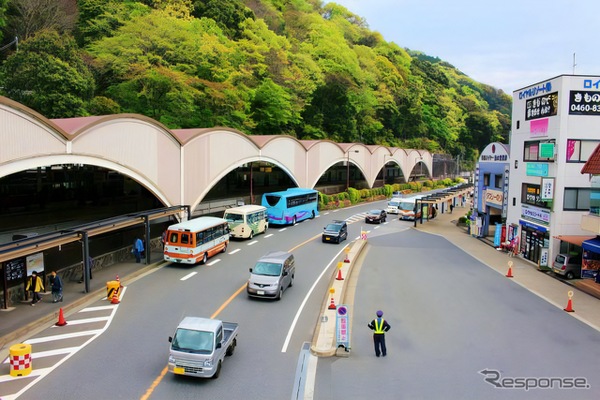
404 207
247 221
195 240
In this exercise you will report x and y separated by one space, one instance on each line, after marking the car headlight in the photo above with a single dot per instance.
208 363
171 359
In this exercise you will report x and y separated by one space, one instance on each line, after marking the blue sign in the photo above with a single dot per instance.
537 169
342 329
534 91
498 236
534 226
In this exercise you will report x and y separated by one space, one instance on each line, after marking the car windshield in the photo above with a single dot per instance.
193 341
234 217
375 212
393 204
269 269
333 228
407 206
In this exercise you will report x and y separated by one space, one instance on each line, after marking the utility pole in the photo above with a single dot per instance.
574 64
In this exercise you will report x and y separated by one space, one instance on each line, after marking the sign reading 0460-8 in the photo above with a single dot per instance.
584 103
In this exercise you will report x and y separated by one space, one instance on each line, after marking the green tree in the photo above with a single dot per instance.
3 9
228 14
48 75
271 109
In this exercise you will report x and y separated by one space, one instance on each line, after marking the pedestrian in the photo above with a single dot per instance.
91 263
35 282
451 208
163 238
57 287
379 326
138 248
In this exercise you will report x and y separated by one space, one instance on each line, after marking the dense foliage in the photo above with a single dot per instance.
296 67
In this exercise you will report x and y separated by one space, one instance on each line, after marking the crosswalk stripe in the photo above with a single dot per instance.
60 337
84 321
48 353
98 308
35 372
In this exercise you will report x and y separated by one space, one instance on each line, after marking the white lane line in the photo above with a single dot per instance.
233 252
269 235
326 213
253 242
214 262
289 335
48 353
41 373
385 223
317 216
98 308
188 276
60 337
281 230
336 210
377 227
83 321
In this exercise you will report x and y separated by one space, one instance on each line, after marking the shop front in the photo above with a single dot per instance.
591 258
535 242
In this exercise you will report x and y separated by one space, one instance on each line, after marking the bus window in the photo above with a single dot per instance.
272 200
199 236
174 237
185 238
233 217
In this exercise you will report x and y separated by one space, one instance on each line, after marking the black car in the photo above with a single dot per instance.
335 232
375 216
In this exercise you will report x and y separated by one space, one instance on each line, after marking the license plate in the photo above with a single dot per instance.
180 371
326 238
261 292
556 270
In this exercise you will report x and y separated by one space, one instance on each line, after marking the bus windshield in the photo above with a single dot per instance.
407 206
272 200
234 217
393 204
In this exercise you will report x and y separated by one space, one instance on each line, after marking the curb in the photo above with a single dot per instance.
359 245
92 296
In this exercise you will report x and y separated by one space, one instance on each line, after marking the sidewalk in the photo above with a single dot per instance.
22 319
526 274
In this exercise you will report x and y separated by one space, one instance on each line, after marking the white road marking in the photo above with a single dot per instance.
90 309
214 262
289 335
385 223
281 230
34 372
317 216
253 242
336 210
188 276
83 321
326 213
269 235
377 227
61 337
48 353
233 252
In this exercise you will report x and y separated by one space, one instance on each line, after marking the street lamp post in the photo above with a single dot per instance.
348 172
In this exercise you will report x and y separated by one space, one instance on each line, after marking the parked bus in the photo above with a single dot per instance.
195 240
291 206
247 221
406 207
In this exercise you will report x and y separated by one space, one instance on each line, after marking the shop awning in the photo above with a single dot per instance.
576 240
532 225
592 245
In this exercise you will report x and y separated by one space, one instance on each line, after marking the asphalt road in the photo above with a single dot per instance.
127 358
451 317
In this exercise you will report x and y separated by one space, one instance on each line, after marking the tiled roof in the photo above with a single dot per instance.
592 165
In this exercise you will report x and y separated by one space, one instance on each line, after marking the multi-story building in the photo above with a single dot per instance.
555 129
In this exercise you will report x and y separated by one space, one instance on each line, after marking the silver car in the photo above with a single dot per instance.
272 275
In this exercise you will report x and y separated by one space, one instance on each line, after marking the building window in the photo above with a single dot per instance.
595 196
486 179
498 182
577 199
530 194
518 124
532 151
579 151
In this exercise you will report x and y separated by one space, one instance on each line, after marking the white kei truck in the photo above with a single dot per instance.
200 345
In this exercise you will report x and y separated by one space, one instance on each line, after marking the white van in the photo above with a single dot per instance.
247 221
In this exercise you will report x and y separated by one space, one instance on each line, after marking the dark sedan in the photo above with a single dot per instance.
377 216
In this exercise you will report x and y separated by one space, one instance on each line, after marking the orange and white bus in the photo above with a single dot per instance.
195 240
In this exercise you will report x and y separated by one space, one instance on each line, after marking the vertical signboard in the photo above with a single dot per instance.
342 337
476 188
505 190
547 189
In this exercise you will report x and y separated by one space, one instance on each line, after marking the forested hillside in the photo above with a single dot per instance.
298 67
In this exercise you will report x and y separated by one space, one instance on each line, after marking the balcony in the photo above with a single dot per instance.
591 222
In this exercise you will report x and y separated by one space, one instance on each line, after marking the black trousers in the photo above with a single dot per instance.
379 341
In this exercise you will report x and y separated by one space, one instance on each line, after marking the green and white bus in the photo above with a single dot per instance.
247 221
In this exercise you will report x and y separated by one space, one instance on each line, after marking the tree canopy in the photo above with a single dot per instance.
295 67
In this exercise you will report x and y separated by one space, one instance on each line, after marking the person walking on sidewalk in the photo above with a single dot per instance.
138 248
36 285
57 287
380 327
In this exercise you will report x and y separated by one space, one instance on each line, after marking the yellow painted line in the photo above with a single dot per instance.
164 371
229 301
154 384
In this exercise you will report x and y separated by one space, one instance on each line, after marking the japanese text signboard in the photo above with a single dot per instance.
584 103
342 337
542 106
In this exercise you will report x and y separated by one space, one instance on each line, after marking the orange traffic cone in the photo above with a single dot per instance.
569 305
115 297
509 275
61 319
118 278
339 277
332 305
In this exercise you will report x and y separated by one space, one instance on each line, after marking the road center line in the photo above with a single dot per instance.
377 227
281 230
188 276
253 242
289 335
269 235
214 262
233 252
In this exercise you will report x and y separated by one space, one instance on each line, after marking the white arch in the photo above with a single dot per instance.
44 161
233 167
335 162
392 159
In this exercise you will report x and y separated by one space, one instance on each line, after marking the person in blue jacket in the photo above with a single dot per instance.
57 287
138 248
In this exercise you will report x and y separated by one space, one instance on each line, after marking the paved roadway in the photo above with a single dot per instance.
451 317
125 360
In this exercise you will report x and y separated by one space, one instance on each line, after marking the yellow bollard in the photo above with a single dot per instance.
111 286
20 360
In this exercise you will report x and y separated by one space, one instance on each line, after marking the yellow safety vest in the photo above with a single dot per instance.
379 328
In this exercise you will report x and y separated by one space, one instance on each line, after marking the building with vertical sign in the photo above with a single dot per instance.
491 187
555 129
